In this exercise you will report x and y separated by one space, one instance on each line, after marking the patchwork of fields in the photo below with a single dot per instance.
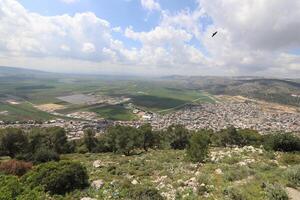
37 97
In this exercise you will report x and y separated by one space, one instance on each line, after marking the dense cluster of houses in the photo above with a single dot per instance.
205 116
221 115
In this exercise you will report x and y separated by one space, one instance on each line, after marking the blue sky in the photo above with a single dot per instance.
152 37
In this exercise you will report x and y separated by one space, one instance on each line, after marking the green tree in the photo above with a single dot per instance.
178 136
286 142
148 135
12 141
198 146
89 140
230 136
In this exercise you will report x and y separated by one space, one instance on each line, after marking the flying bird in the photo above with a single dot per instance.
215 33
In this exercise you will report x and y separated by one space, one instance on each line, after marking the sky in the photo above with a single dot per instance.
152 37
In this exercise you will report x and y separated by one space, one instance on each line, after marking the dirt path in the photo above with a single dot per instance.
293 193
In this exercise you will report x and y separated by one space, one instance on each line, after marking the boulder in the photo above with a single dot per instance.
218 171
98 164
87 198
98 184
134 182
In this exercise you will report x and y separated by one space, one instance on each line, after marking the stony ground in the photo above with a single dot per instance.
228 173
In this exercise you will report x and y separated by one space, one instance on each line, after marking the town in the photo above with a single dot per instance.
244 115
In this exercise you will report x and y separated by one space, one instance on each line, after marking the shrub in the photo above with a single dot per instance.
144 193
58 177
234 193
250 137
15 167
293 175
282 142
197 149
290 158
10 187
45 155
275 192
34 194
238 173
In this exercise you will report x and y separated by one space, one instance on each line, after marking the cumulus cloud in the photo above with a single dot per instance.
150 5
23 33
254 38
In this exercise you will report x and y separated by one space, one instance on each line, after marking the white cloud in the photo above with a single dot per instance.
150 5
23 33
69 1
88 48
254 38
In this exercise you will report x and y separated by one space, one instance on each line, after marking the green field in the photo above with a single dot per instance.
113 112
24 111
42 88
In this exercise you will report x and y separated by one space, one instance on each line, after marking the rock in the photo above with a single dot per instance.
197 173
134 182
218 171
293 193
98 184
87 198
98 164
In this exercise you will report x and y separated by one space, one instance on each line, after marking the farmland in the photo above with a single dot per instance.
72 93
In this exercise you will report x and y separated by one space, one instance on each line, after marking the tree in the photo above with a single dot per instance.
128 140
58 139
230 136
148 136
197 149
286 142
178 136
12 141
123 139
250 137
89 140
43 155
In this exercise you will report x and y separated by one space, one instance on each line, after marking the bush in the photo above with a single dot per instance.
10 187
282 142
58 177
238 173
293 175
15 167
290 158
250 137
145 193
45 155
234 193
275 192
197 149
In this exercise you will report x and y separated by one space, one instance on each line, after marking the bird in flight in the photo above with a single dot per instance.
215 33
